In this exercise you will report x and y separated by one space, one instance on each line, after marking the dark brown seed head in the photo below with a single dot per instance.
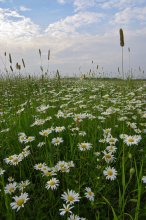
121 38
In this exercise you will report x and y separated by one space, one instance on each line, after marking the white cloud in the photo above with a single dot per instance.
129 15
120 4
14 26
61 1
83 4
24 8
71 24
69 47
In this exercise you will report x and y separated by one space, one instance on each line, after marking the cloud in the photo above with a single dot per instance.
129 15
14 25
61 1
71 24
83 4
70 47
24 8
120 4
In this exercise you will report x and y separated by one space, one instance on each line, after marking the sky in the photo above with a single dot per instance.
80 35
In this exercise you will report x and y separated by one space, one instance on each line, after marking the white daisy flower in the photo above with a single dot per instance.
52 184
23 184
57 141
84 146
74 217
1 171
49 172
111 148
111 140
132 140
42 108
89 194
70 197
29 139
10 188
66 209
22 137
14 159
19 201
59 129
46 132
44 168
40 144
71 164
63 167
110 173
108 157
82 133
10 179
9 159
144 179
24 153
39 166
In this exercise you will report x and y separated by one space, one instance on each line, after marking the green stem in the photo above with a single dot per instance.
139 183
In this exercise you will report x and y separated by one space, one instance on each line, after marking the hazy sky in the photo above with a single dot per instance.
76 32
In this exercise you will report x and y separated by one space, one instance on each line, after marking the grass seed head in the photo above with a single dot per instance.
121 38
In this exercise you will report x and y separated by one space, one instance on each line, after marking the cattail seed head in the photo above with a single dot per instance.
23 63
11 68
40 52
10 58
48 54
121 38
18 66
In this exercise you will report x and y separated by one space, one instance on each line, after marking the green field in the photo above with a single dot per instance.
72 149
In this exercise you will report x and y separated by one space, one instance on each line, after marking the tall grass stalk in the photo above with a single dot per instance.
122 45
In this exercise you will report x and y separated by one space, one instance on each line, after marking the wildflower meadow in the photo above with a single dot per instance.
72 149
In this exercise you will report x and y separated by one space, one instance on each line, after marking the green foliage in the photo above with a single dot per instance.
116 104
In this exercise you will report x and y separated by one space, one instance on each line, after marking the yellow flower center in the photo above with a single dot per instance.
83 146
61 165
45 133
108 156
52 183
131 140
48 173
15 160
112 140
70 198
57 141
10 158
90 193
110 172
40 166
11 189
20 202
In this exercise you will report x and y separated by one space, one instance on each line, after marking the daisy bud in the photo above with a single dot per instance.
130 155
132 171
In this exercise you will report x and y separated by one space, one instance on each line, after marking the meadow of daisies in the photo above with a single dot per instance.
72 149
